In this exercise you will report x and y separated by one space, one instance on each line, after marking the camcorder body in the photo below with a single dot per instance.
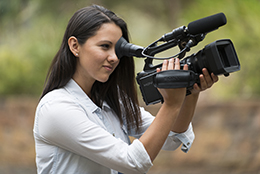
219 57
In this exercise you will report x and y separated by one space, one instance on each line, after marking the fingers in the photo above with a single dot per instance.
185 67
207 80
203 83
177 64
214 77
165 65
171 64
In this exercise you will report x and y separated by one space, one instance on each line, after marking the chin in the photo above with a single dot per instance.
103 80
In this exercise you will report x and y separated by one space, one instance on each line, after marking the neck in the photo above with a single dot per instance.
84 83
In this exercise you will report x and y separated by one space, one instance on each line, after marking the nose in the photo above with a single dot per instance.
112 57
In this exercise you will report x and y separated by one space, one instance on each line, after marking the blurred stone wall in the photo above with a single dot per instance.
227 139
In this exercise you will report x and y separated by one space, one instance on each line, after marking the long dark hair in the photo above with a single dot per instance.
120 89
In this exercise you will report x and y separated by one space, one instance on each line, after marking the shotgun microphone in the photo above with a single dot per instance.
199 26
207 24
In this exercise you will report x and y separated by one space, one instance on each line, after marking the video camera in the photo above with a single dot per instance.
218 57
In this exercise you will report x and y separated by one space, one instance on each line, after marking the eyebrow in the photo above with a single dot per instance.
106 41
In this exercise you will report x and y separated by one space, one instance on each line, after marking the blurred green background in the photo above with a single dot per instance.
31 32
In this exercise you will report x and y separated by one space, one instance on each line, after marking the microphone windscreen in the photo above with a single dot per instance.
207 24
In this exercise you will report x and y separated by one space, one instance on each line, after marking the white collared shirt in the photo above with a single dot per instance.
73 135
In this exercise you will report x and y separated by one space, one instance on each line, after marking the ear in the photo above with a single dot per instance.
74 45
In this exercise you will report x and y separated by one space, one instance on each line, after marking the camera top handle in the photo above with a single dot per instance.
184 37
185 42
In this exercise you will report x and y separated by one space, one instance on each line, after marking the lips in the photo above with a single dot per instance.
107 67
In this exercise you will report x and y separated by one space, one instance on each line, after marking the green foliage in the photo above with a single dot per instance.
243 29
32 30
28 44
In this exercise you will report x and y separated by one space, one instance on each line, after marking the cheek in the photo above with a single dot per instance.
96 56
90 59
117 63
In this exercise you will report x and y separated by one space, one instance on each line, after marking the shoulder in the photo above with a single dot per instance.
56 95
56 110
56 101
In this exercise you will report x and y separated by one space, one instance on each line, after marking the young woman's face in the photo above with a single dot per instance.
97 58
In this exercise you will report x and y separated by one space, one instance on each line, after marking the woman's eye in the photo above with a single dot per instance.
105 46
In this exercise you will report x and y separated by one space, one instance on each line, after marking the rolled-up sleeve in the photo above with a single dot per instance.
174 140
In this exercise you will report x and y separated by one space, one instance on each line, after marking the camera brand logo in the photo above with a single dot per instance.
171 78
148 84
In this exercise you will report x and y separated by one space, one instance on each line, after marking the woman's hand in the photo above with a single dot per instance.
206 81
172 96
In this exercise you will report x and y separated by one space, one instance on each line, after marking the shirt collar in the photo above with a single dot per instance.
105 105
73 88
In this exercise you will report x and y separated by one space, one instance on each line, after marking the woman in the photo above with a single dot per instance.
89 105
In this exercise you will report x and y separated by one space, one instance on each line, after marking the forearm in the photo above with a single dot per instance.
155 136
186 114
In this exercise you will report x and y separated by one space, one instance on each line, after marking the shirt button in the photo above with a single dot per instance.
188 143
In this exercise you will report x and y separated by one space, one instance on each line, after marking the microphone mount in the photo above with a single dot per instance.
181 38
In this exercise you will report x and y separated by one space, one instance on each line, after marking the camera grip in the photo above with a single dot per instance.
175 79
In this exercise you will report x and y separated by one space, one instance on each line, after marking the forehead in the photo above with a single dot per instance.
108 31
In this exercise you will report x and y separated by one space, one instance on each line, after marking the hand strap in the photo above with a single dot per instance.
175 79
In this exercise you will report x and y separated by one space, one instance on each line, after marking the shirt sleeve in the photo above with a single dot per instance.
65 124
185 138
173 141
